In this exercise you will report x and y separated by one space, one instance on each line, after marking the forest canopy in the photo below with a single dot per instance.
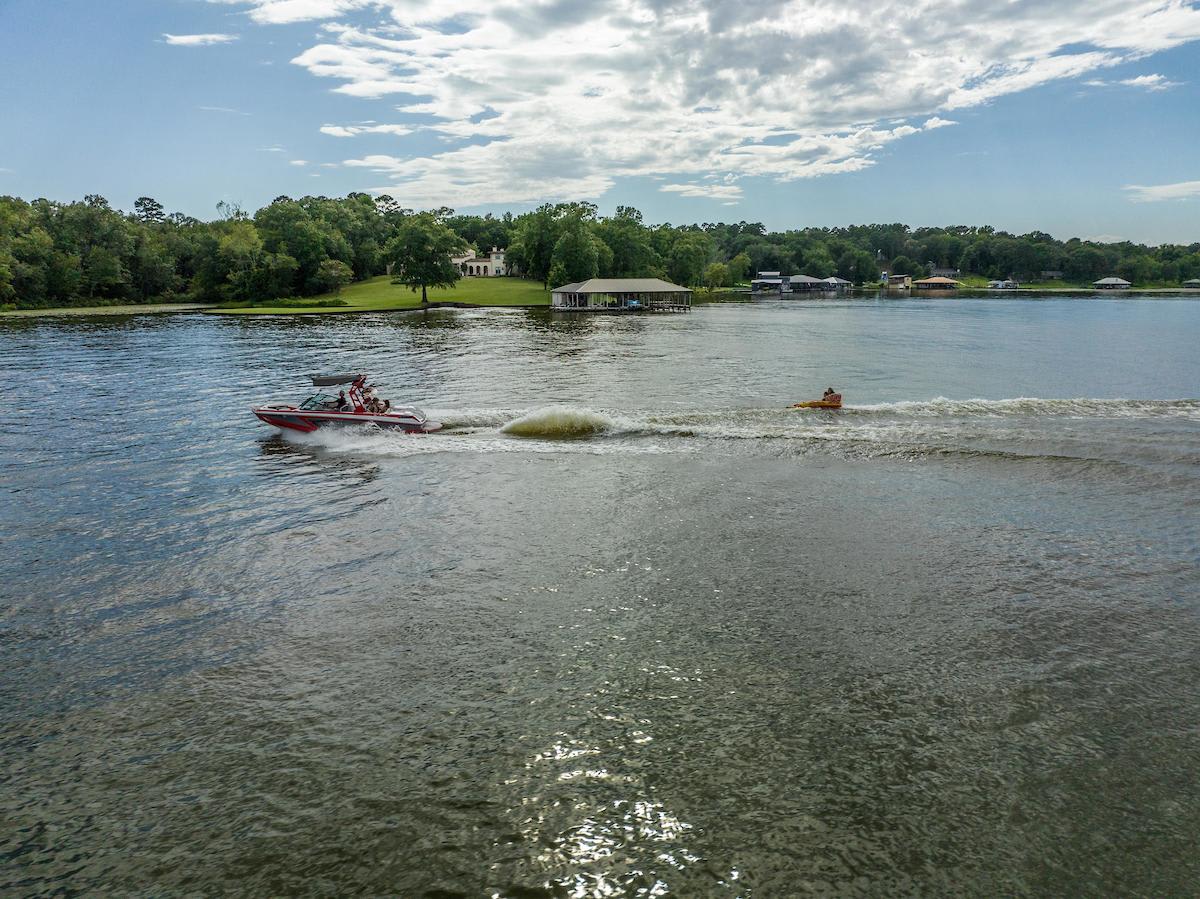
87 253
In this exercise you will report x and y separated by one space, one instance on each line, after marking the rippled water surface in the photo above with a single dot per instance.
629 626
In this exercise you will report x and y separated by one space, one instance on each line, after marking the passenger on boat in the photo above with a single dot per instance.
386 408
342 405
831 397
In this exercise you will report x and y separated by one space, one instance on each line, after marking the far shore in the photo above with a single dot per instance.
380 295
127 309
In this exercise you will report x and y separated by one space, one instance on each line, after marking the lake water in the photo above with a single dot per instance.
629 627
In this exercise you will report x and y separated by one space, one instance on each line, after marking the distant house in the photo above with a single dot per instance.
1192 283
1006 284
1111 284
806 282
935 272
489 265
937 283
836 283
1052 276
899 282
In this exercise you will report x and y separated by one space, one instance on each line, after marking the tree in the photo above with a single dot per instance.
717 275
574 257
902 265
420 253
533 243
739 265
148 210
333 275
857 266
689 257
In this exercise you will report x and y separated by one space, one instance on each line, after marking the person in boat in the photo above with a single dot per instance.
341 404
385 409
831 397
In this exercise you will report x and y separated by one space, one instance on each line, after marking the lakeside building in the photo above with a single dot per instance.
1006 284
937 283
1111 284
806 282
899 282
490 265
935 272
769 282
621 295
1051 275
836 283
1192 282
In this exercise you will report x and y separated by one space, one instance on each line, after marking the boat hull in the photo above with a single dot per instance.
817 404
305 421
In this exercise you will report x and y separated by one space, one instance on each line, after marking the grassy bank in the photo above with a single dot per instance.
128 309
381 295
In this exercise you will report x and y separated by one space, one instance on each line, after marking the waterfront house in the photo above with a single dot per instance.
937 283
1005 284
1192 283
899 282
806 282
621 295
1111 284
486 265
836 283
935 272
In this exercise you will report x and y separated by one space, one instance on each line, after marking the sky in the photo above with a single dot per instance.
1074 117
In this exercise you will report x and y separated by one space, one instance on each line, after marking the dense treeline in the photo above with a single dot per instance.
87 253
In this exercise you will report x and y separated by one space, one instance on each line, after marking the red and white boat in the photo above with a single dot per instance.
324 409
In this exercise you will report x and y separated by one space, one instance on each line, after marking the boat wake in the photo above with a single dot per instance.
1159 434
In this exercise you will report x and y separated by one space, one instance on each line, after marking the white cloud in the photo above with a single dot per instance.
1147 82
706 191
1157 193
225 109
198 40
1150 82
560 98
353 130
275 149
298 162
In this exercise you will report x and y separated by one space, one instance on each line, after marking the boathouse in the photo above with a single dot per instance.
938 283
836 283
1111 284
769 282
899 282
806 282
1191 283
621 295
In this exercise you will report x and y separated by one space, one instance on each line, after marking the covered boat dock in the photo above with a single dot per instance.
621 295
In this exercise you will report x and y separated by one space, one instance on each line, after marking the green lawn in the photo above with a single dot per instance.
381 295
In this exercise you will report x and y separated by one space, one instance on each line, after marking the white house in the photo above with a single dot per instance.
486 265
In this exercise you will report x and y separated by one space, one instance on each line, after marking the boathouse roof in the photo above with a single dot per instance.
1111 281
805 279
568 288
627 285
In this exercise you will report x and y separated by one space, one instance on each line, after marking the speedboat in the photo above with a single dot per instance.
325 409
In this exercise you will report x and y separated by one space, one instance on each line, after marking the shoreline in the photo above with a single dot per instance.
126 309
217 309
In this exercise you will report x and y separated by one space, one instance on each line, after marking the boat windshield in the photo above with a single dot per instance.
320 401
